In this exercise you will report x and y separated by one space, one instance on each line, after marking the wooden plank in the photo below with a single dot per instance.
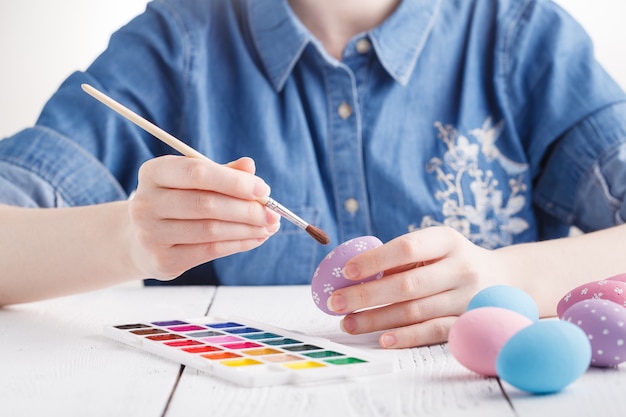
427 381
55 361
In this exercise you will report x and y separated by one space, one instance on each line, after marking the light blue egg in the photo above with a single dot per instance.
544 357
505 296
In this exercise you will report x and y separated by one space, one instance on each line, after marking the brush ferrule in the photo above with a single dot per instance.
283 211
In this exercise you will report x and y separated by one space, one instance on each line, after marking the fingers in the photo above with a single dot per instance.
415 283
187 232
160 210
430 276
189 211
173 187
200 204
400 287
424 246
414 323
402 314
198 174
243 164
423 334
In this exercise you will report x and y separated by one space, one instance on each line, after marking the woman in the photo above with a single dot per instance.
469 136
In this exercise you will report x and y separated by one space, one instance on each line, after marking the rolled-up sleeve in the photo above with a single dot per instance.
584 178
41 168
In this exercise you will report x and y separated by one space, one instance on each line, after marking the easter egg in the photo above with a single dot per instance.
604 323
618 277
328 276
544 357
508 297
476 337
611 290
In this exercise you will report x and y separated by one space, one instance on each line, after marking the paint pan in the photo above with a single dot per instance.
247 352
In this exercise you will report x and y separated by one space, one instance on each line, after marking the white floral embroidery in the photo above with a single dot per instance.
491 221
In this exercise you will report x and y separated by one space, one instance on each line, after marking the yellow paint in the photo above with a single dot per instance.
304 365
241 362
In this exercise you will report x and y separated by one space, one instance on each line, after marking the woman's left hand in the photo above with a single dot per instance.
430 277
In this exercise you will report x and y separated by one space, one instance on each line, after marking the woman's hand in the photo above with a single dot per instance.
189 211
430 277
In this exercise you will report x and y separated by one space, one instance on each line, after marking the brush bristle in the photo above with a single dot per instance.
318 235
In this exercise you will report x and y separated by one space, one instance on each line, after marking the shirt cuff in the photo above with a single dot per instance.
41 168
583 181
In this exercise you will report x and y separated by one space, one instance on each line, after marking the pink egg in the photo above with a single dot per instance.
604 322
328 276
607 289
618 277
477 337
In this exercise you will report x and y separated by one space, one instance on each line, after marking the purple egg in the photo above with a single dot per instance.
604 323
328 276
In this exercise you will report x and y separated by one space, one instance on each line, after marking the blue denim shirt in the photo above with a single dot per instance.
490 116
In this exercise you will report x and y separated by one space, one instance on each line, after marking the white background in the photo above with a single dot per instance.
43 41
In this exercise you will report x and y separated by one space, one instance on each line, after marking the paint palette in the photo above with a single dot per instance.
248 353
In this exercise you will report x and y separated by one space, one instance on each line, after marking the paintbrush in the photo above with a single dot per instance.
187 150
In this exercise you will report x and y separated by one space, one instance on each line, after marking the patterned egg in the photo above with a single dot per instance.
476 338
508 297
604 322
607 289
544 357
328 276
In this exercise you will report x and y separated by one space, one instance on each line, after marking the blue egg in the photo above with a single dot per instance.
505 296
544 357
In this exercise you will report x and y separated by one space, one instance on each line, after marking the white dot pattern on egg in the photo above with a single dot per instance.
604 324
607 289
328 276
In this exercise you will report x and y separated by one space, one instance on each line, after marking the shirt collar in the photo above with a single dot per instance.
400 39
280 37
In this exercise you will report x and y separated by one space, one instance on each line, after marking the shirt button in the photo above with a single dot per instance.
344 110
363 46
351 205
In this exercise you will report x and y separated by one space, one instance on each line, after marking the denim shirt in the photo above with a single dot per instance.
489 116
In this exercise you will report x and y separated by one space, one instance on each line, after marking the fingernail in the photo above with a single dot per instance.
261 189
388 340
348 324
351 271
273 227
337 303
272 217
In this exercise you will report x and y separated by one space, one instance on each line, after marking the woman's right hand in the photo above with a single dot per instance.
189 211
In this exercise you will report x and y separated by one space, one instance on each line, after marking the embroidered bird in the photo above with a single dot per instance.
487 135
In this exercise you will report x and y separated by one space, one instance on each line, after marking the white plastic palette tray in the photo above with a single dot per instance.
246 352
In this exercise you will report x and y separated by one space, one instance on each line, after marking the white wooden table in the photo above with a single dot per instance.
54 361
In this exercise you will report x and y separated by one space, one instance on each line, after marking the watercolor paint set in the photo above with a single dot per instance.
248 353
